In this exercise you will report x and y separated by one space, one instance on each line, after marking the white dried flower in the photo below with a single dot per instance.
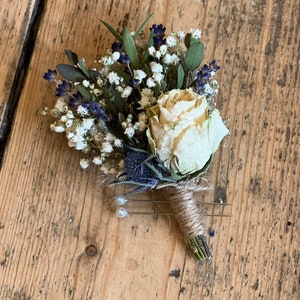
87 123
151 51
61 105
156 67
70 114
118 143
171 59
158 77
150 83
196 33
114 78
116 55
64 118
82 111
129 131
180 35
59 128
84 163
97 160
126 92
139 75
179 122
107 147
97 92
109 137
85 83
171 41
163 49
69 123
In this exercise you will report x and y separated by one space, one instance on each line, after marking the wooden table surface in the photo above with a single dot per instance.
59 239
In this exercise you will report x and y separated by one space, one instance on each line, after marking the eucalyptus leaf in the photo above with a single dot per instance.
82 67
85 92
70 73
193 41
93 75
193 56
116 34
72 57
141 27
121 118
130 48
180 76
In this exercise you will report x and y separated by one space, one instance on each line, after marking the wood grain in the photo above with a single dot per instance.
17 20
59 238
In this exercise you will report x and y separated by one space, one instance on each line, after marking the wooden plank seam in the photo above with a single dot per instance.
20 75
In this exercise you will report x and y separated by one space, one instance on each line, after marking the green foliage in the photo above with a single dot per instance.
141 27
116 100
130 48
71 73
193 56
85 92
72 57
146 54
180 77
116 34
82 67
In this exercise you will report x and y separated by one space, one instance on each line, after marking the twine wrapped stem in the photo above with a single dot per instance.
183 203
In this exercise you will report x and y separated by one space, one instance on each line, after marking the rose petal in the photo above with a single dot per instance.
216 129
193 150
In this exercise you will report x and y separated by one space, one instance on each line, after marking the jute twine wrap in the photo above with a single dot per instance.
182 200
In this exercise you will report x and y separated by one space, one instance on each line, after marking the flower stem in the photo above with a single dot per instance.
199 247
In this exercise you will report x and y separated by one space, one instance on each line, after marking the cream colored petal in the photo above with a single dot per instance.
166 116
198 113
151 141
216 129
193 151
164 152
183 107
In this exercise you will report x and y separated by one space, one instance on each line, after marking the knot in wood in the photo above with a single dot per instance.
91 250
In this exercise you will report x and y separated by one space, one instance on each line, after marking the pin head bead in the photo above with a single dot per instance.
120 200
121 212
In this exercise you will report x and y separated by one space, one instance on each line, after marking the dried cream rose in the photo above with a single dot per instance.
181 132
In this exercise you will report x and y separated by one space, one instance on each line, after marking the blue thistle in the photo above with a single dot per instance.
136 168
143 170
